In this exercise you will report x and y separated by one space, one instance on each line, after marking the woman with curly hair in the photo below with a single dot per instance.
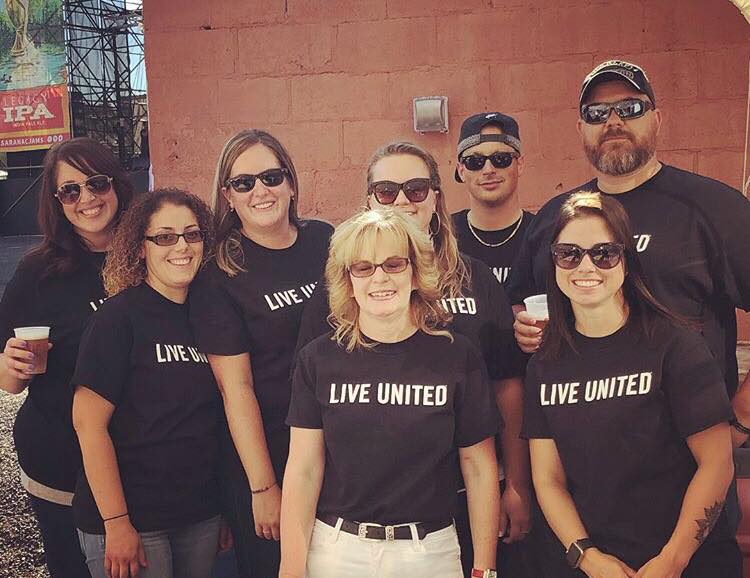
247 306
383 410
58 284
146 407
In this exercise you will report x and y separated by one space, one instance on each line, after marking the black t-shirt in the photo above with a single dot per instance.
483 315
619 412
259 312
499 259
691 235
139 354
43 433
393 419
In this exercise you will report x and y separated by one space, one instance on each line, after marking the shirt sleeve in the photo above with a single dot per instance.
694 385
103 363
534 421
477 417
304 407
216 318
733 225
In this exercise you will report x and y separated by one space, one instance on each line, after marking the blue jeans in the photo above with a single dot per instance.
61 548
186 552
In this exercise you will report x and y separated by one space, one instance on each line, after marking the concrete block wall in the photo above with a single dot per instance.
334 79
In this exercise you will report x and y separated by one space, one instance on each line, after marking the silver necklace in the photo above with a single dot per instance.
485 243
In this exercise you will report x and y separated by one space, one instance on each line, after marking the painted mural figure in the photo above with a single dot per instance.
18 13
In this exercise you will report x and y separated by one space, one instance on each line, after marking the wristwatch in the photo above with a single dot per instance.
576 550
477 573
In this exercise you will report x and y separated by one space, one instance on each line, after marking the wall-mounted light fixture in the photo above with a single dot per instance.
431 114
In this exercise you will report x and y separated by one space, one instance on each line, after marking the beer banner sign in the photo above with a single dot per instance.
34 105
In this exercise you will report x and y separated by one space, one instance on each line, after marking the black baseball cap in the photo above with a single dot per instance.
471 133
617 70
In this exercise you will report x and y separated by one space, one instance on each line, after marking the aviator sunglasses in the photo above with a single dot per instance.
499 160
416 190
167 239
626 109
246 183
603 255
69 193
390 266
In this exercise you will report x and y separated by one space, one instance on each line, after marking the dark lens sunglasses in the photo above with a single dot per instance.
499 160
386 192
69 193
626 109
603 255
167 239
391 265
246 183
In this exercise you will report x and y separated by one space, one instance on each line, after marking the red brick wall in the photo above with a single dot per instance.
334 79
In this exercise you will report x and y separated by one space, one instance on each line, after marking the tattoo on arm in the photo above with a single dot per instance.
706 524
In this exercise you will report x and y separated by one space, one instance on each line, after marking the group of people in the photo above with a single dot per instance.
361 402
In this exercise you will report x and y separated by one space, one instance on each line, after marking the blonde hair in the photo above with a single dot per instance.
454 274
229 255
357 237
124 266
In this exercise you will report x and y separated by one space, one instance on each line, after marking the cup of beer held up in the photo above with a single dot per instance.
536 306
37 339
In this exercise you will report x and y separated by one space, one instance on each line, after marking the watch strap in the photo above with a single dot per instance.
576 550
477 573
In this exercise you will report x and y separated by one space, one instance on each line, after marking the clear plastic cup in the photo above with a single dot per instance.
536 306
37 339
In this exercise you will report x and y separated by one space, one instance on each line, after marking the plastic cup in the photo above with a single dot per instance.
37 339
536 306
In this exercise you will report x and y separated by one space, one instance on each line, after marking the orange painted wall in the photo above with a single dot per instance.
334 79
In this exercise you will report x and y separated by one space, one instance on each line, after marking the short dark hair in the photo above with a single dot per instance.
643 306
62 248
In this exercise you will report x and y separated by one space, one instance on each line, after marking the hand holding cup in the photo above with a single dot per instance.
26 353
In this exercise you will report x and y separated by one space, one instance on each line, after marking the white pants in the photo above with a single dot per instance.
336 554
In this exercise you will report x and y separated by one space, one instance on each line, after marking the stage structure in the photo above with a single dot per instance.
106 75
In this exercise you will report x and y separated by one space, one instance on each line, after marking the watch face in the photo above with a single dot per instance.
573 555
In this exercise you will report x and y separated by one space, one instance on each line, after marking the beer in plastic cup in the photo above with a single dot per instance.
536 306
37 339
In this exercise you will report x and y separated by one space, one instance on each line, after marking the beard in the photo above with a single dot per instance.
617 159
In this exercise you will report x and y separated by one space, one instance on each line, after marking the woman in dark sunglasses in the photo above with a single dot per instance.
627 414
58 284
383 410
245 310
405 177
146 407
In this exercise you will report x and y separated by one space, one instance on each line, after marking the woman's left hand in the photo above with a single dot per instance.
661 566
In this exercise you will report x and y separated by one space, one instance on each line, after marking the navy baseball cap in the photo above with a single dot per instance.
617 70
471 133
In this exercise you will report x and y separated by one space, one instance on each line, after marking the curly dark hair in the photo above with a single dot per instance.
61 248
124 266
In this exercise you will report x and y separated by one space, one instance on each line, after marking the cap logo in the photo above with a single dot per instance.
490 115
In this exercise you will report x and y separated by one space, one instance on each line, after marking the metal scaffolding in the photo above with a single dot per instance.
106 75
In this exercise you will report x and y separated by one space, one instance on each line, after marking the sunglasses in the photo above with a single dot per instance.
416 190
603 255
69 193
167 239
626 109
390 266
246 183
499 160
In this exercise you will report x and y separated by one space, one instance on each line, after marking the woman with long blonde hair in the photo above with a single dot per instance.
245 311
383 410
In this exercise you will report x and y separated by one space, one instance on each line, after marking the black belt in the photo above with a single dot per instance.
376 532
